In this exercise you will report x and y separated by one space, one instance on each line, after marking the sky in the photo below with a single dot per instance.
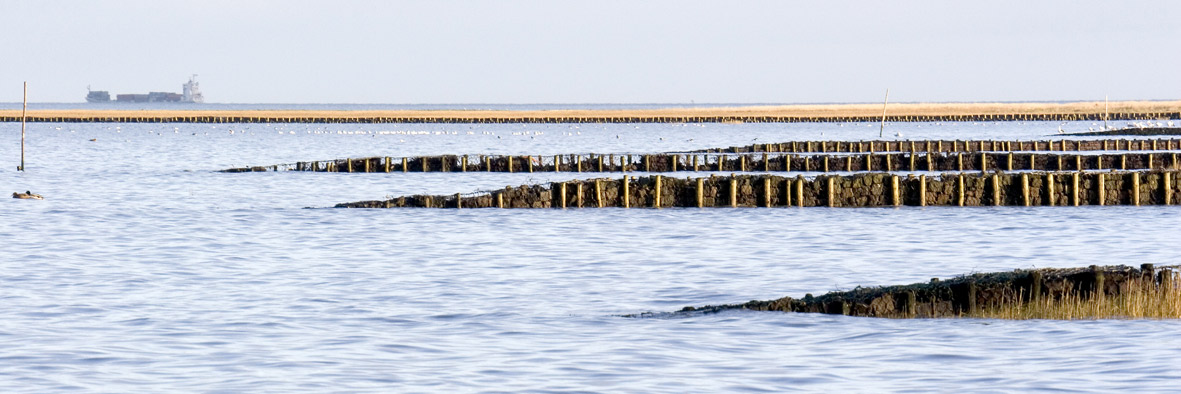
603 51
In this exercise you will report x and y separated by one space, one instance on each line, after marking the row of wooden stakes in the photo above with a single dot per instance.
861 190
697 162
606 118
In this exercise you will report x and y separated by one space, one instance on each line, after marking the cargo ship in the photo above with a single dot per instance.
190 93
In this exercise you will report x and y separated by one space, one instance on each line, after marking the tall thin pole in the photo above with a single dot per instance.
1105 112
883 129
24 109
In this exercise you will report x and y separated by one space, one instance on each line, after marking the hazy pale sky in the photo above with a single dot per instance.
403 52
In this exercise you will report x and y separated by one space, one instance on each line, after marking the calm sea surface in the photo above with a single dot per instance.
146 271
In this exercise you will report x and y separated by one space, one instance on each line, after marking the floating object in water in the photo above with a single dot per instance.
93 139
27 195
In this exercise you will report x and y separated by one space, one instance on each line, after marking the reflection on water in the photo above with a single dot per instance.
145 271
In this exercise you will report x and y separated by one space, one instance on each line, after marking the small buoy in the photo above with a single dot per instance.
93 139
27 195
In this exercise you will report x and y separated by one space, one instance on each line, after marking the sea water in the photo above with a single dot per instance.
145 270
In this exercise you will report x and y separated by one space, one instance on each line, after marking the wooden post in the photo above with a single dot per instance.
895 191
674 159
1166 179
562 195
348 165
742 163
1010 165
983 160
786 192
721 159
656 203
1074 189
425 164
700 192
1123 162
959 158
1150 161
510 164
695 169
600 163
766 163
911 304
579 164
500 199
996 190
599 191
387 163
626 193
800 191
922 190
458 201
405 164
787 161
826 164
578 194
1078 162
733 191
831 188
1025 189
889 165
647 163
912 154
367 165
849 163
1050 195
1136 188
24 118
557 163
767 192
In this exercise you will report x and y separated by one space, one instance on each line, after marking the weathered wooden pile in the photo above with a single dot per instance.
965 295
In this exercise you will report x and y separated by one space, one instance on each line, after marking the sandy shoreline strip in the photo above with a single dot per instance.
1166 109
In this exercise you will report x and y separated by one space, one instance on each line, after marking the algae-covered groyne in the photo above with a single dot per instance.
1092 292
858 190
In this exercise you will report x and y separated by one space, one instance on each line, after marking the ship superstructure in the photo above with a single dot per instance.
191 93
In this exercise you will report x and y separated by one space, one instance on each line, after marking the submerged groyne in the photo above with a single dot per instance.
858 190
1069 293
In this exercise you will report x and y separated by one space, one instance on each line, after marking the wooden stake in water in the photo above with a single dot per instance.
887 100
24 109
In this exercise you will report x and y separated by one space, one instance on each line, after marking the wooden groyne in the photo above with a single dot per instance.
1062 145
862 156
860 190
982 295
847 113
508 119
741 162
